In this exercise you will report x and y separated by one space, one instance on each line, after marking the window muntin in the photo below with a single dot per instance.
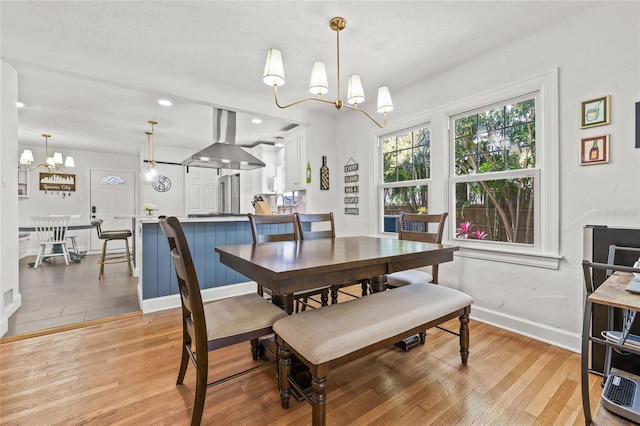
492 180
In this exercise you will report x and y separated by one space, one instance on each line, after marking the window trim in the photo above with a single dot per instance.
546 255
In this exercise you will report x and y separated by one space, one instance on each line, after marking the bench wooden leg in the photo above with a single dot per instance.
284 369
318 401
464 336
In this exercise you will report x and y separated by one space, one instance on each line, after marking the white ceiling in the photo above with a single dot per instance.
90 72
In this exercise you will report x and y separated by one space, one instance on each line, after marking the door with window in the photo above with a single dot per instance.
112 194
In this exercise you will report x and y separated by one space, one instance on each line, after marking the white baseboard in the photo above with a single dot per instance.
544 333
173 301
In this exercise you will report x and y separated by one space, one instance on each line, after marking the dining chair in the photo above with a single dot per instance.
213 325
112 235
418 227
312 226
51 232
284 227
72 235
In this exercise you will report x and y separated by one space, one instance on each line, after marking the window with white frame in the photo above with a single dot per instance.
495 174
406 164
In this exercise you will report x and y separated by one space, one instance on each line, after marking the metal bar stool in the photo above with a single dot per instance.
120 234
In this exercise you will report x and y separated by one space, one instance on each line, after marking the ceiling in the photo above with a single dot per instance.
90 73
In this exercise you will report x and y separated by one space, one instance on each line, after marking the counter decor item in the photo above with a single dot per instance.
324 174
149 208
308 172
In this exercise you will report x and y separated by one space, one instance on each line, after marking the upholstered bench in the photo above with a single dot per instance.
334 335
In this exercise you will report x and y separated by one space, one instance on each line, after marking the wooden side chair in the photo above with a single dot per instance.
214 325
106 236
52 237
284 227
416 227
322 225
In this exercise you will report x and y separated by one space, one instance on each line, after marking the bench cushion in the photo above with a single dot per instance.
331 332
412 276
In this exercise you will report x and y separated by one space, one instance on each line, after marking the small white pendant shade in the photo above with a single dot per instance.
57 158
26 157
69 162
355 93
273 69
51 162
384 100
318 84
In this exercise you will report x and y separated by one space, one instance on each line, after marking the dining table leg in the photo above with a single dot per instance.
283 301
379 283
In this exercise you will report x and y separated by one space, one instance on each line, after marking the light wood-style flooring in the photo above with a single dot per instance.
123 373
55 295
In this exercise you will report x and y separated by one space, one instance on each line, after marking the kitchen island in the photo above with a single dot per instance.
158 286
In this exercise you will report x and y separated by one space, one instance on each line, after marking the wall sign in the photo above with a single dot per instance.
57 182
163 184
351 188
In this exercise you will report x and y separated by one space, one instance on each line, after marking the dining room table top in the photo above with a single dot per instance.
289 266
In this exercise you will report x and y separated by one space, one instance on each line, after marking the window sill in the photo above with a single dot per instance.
538 260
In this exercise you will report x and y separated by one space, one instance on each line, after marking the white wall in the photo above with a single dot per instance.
544 303
10 299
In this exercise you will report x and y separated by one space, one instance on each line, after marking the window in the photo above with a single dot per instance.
406 158
491 161
494 175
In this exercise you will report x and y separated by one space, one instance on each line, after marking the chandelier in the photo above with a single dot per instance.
318 86
51 163
151 171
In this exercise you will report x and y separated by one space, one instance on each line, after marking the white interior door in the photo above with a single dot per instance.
112 194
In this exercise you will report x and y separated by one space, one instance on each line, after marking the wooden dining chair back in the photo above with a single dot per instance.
52 237
427 228
214 325
308 224
312 226
273 227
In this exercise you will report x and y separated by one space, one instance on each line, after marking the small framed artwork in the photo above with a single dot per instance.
594 112
594 150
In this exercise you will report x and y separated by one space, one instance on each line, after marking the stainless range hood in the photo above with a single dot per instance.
224 153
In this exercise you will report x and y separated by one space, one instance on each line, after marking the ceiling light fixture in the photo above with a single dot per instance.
256 120
165 102
20 104
318 86
51 163
151 171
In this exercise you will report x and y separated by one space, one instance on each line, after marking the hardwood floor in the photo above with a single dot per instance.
124 372
55 295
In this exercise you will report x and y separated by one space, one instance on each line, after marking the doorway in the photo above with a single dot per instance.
112 194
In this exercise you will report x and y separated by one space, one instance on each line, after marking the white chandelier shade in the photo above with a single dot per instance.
51 162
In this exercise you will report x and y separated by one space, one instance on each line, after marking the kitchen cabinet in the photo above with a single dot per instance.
295 159
263 177
201 190
23 183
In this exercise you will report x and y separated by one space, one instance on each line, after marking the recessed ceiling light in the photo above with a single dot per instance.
164 102
20 104
256 121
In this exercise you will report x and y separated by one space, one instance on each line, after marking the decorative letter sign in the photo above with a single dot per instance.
351 188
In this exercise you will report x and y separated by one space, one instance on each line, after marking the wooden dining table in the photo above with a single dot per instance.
285 267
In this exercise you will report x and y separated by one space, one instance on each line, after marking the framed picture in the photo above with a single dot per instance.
594 112
594 150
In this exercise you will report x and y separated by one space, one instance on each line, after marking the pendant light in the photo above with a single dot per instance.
151 171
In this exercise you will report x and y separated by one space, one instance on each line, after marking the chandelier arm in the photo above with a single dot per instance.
355 108
275 91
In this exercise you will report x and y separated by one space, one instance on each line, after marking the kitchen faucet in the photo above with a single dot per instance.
283 203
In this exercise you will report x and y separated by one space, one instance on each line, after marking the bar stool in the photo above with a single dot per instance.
120 234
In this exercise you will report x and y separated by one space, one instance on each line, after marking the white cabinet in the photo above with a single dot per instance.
263 177
201 190
23 183
295 159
